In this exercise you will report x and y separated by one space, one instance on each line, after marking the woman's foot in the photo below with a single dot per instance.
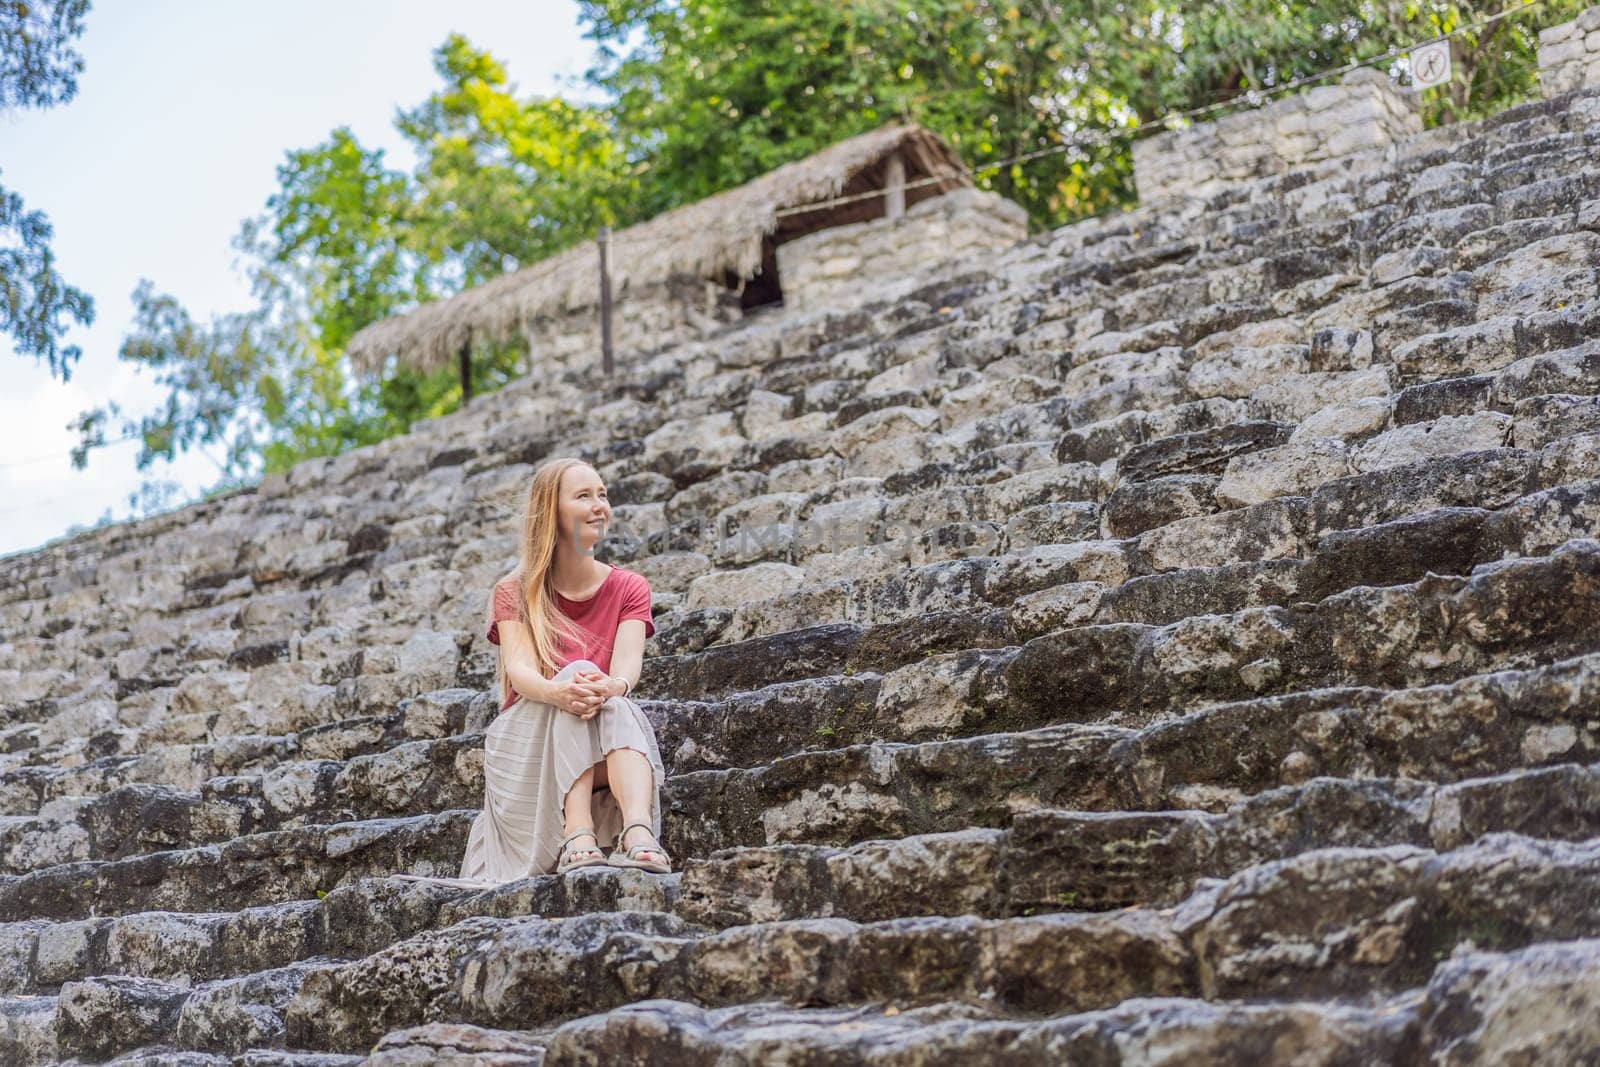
576 854
641 835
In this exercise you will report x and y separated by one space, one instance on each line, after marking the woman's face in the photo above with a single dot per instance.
583 513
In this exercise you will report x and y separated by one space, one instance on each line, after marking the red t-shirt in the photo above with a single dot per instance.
624 594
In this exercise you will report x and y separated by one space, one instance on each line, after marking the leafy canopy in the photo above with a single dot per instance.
39 68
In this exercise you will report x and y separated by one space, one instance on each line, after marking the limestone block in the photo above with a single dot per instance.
1240 371
886 424
1441 437
1298 396
1350 421
1563 51
747 584
1288 470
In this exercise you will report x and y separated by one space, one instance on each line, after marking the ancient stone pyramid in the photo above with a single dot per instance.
1217 680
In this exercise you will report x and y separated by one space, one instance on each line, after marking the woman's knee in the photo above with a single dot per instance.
581 786
637 758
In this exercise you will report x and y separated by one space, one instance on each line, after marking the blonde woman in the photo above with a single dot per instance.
570 760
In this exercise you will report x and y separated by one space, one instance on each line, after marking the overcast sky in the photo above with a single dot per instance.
183 112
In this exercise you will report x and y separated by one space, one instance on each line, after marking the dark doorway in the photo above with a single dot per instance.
763 290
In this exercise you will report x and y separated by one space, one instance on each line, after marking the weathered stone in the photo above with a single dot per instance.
1349 422
1487 479
1273 529
1203 452
1133 509
1288 470
1447 436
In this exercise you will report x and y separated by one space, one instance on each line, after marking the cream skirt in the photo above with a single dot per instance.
533 753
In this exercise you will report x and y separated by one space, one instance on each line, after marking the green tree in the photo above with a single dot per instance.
505 182
347 240
39 67
712 93
1232 46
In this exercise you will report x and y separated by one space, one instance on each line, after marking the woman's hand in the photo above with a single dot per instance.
582 693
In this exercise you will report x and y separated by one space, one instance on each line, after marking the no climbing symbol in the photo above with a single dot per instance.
1430 64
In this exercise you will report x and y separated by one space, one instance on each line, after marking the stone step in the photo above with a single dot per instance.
661 1031
779 720
1207 759
1045 860
1511 613
1473 1008
283 865
1575 375
431 715
1053 860
1276 523
1328 923
895 790
110 1014
354 919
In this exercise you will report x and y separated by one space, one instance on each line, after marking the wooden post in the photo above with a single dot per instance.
605 298
895 182
465 364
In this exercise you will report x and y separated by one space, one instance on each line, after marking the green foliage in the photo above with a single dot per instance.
506 182
346 241
39 67
713 93
710 95
1238 45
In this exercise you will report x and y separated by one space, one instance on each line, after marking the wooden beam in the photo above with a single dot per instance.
895 184
604 240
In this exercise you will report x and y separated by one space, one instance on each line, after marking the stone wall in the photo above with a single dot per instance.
1363 112
642 321
847 265
1569 54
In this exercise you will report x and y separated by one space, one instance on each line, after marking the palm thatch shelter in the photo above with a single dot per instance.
697 265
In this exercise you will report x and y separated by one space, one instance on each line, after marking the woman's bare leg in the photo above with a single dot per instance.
631 779
576 810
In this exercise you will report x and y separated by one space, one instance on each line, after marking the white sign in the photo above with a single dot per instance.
1430 64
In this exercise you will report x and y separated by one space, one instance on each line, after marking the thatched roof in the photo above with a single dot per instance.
722 236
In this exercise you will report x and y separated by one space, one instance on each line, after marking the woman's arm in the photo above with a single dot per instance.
627 656
516 648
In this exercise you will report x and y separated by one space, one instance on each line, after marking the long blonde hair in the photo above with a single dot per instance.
537 606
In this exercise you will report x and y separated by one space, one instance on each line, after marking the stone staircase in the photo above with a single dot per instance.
1177 639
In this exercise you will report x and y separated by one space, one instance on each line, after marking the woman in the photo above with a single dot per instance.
570 758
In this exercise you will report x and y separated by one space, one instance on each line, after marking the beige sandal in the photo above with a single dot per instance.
630 858
567 863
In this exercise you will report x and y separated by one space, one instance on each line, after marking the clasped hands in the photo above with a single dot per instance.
584 692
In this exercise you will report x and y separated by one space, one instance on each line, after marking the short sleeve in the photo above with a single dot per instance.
636 603
504 607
